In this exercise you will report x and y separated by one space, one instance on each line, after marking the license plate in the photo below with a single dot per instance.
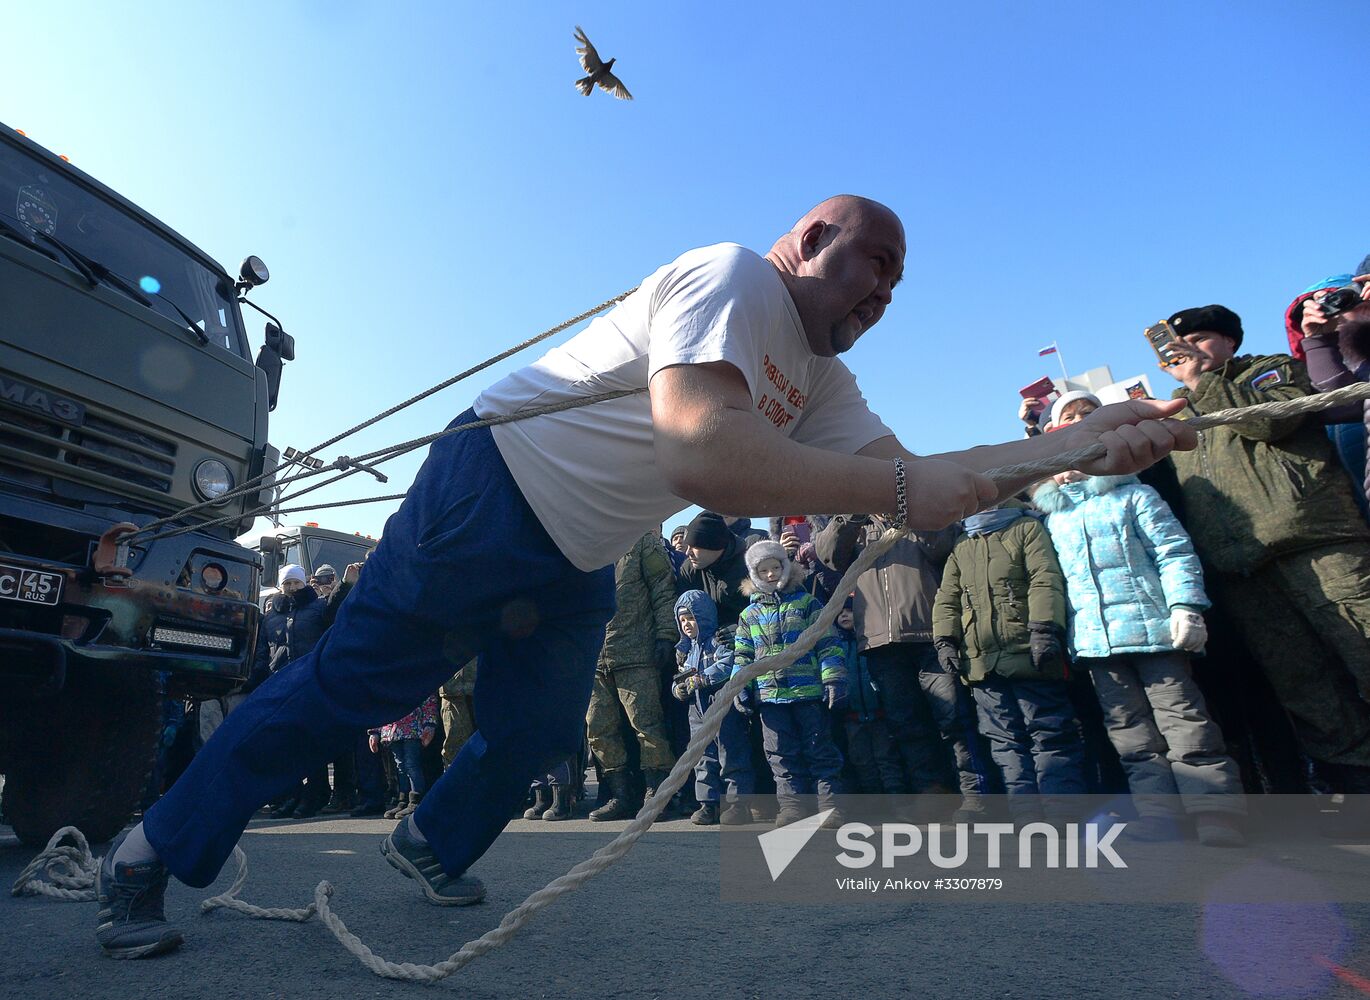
31 586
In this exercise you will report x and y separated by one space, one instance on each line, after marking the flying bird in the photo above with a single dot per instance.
601 74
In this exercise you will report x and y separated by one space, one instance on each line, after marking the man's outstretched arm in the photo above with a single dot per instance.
714 450
1134 433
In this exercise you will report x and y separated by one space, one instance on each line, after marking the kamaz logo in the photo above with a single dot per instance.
31 398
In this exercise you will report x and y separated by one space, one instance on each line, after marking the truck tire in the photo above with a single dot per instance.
82 758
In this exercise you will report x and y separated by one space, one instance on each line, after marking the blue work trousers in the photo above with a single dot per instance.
464 567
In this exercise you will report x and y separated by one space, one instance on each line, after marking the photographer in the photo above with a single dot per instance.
1329 327
1271 512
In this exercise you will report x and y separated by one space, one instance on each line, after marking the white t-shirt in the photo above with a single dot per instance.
590 473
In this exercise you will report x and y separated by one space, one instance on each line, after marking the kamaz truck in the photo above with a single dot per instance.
127 394
308 546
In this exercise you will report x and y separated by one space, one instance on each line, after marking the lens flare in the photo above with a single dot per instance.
149 284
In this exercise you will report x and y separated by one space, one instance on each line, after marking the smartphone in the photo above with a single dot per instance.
1161 337
799 526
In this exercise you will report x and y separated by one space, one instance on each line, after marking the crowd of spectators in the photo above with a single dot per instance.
1190 636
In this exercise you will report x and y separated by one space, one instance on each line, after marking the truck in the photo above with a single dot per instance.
128 394
308 546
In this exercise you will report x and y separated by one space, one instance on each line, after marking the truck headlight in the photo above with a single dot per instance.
212 479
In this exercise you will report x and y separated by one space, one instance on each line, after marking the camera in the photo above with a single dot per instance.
1339 300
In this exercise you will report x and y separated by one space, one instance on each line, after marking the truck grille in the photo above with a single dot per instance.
104 446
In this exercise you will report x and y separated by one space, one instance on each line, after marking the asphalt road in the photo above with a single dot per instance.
654 926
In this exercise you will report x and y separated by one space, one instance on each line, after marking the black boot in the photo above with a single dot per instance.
286 809
561 804
620 804
341 802
414 799
654 779
540 803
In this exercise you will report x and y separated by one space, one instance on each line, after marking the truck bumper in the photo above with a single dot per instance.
164 617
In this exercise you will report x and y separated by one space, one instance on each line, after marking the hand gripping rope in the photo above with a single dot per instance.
70 870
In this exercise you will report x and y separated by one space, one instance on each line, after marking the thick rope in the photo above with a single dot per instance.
69 870
68 867
149 533
257 482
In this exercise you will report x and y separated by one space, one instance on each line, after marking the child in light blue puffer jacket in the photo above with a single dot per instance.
1135 593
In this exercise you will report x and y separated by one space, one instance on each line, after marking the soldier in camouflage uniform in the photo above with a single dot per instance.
1271 511
458 719
639 644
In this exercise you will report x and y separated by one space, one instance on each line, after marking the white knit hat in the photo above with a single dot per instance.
292 572
1074 396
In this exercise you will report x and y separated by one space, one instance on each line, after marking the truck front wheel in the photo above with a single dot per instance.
83 757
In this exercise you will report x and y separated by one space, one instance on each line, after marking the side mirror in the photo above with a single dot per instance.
277 348
270 543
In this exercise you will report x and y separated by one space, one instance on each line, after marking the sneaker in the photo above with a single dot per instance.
132 920
416 860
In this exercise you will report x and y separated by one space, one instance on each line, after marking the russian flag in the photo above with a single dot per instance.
1049 349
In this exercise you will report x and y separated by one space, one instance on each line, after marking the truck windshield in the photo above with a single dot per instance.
334 553
36 198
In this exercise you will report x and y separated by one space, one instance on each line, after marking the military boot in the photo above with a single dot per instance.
561 804
620 804
540 804
654 779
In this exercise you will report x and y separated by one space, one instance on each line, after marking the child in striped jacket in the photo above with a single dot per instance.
793 703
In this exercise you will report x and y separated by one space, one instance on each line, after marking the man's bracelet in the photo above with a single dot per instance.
901 497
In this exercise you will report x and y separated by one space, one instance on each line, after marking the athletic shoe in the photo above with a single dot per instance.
416 860
132 920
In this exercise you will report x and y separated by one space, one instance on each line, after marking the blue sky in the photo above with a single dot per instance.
427 187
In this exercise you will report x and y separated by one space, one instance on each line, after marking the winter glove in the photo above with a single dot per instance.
1187 630
1045 647
949 657
834 694
743 701
665 656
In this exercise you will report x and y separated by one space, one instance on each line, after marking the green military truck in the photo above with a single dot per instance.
127 393
308 546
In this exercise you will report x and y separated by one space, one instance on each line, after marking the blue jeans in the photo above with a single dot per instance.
408 756
801 751
464 567
727 762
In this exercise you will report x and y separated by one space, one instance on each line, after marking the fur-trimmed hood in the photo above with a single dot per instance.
794 580
1051 497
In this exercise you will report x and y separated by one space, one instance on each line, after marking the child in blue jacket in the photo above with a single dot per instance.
703 668
1135 592
793 702
871 750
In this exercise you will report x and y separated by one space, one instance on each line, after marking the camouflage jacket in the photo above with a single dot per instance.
1257 490
646 601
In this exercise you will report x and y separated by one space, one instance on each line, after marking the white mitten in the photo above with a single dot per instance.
1188 631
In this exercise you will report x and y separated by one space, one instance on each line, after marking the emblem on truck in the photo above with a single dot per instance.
30 397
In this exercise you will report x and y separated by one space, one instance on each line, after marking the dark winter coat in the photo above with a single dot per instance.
994 585
1259 490
894 598
292 631
723 582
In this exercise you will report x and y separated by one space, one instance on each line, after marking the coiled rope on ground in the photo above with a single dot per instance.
70 869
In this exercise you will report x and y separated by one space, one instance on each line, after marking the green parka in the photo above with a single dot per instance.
1257 490
992 587
645 590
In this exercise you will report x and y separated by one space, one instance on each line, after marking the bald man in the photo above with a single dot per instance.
505 544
